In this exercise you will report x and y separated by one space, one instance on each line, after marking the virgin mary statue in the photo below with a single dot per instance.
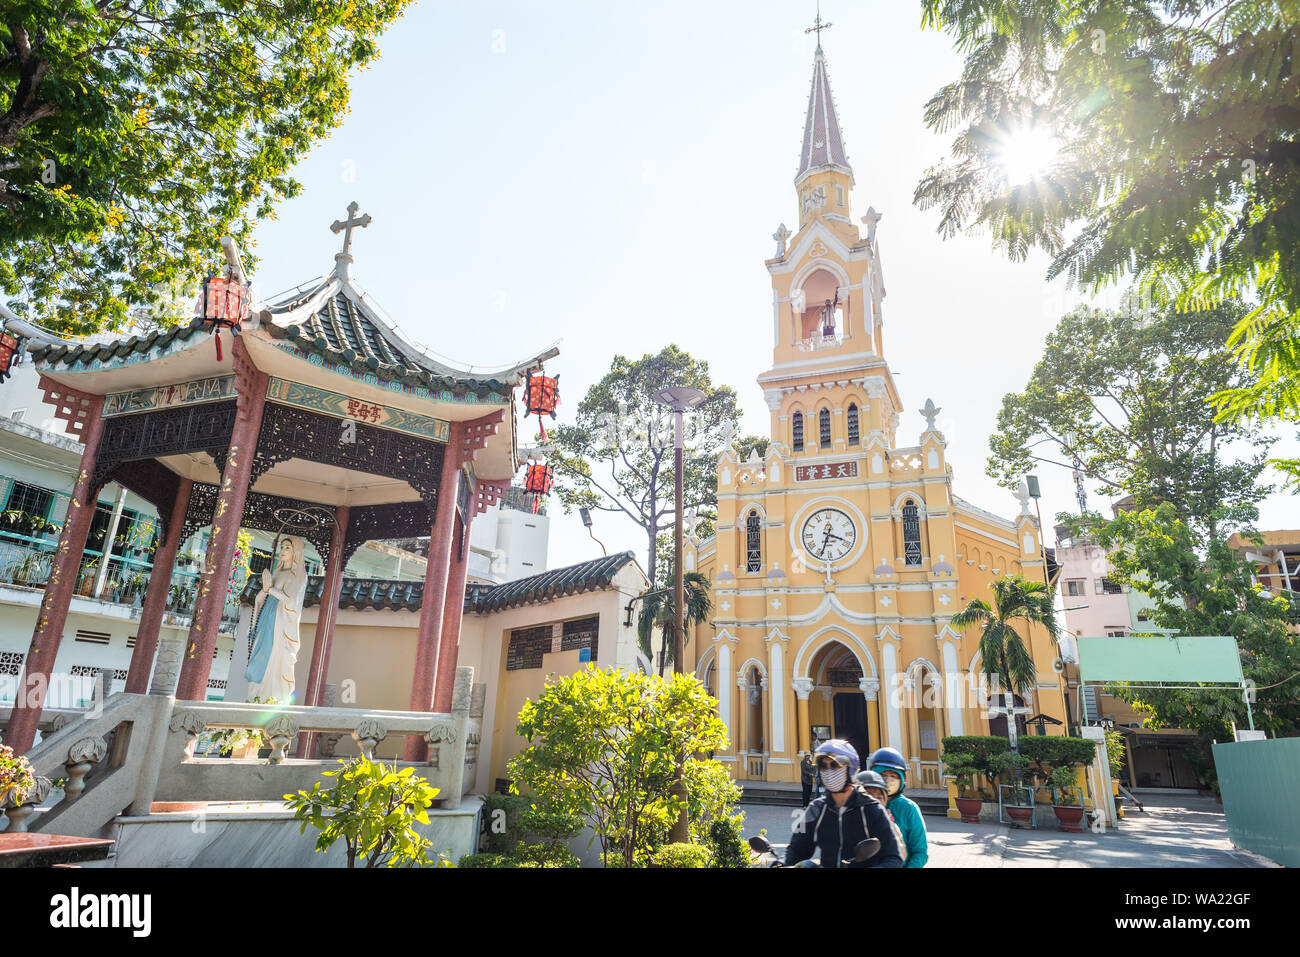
277 612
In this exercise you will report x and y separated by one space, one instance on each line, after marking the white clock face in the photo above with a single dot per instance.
829 534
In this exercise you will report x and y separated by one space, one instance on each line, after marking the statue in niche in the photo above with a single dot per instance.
277 613
828 315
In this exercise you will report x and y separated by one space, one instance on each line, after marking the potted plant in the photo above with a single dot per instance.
16 777
970 796
1067 798
1019 797
86 583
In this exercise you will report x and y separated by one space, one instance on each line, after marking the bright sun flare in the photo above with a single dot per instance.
1027 153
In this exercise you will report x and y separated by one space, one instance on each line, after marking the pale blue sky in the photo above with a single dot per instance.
609 174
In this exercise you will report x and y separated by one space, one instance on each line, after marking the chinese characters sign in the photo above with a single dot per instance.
831 470
372 413
212 389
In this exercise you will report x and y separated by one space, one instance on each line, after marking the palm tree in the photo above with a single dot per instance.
1003 654
657 614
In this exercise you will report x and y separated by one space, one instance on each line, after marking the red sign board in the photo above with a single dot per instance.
822 473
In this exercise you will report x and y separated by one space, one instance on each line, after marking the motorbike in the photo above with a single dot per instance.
864 851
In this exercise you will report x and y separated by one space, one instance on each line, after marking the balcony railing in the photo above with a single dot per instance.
26 560
816 342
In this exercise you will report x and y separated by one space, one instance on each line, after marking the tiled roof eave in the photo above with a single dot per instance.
405 374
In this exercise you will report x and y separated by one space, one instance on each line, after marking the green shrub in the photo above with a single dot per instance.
725 841
503 832
544 855
487 860
373 809
1065 783
982 752
1046 753
1115 748
683 855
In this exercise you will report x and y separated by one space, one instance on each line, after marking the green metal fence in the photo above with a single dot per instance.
1258 781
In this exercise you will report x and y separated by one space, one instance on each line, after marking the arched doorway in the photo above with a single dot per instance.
839 706
753 738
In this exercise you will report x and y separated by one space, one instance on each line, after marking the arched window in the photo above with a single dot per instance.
911 534
824 428
798 431
853 423
753 543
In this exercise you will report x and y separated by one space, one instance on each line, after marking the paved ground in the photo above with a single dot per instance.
1181 831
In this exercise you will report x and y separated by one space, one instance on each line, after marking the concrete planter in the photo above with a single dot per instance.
1069 817
1021 816
970 809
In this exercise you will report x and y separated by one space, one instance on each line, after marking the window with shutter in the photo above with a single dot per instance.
797 430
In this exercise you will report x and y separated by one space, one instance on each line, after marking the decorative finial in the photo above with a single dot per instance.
781 235
931 412
818 26
338 226
872 218
1022 496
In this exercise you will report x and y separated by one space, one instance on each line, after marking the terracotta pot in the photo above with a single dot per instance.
970 809
1069 817
1020 816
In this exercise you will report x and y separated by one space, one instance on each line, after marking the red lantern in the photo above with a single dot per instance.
538 482
8 346
225 303
541 396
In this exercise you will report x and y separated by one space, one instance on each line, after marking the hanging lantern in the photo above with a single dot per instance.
541 396
8 346
538 481
224 303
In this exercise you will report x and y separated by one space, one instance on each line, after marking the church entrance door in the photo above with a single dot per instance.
850 714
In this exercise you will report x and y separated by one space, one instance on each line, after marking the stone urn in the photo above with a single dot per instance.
970 809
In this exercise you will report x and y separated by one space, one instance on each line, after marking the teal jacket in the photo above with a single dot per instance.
908 818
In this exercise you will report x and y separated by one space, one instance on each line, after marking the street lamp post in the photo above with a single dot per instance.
679 399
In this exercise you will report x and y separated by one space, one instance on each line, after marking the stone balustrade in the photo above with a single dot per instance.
139 749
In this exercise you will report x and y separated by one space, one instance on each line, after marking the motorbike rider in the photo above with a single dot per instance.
839 820
875 786
889 764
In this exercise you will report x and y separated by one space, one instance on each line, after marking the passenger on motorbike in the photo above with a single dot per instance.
837 822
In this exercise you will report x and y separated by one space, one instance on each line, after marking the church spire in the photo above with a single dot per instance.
823 144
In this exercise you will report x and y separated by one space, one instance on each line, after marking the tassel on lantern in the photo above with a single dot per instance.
537 501
217 339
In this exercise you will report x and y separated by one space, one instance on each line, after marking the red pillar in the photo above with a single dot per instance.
235 480
435 588
155 598
453 610
325 618
58 587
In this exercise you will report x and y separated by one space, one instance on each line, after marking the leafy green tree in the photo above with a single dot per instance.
133 135
607 745
1004 657
374 809
1203 587
657 614
1165 134
617 456
1125 393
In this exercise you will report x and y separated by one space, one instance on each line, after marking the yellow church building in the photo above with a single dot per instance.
840 557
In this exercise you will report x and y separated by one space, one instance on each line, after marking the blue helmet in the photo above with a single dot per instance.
841 751
887 759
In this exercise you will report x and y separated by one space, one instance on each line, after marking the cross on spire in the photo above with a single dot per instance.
338 226
818 26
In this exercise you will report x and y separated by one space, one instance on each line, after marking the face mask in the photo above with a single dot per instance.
835 778
893 785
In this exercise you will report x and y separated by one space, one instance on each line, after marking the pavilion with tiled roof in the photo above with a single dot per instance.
323 420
